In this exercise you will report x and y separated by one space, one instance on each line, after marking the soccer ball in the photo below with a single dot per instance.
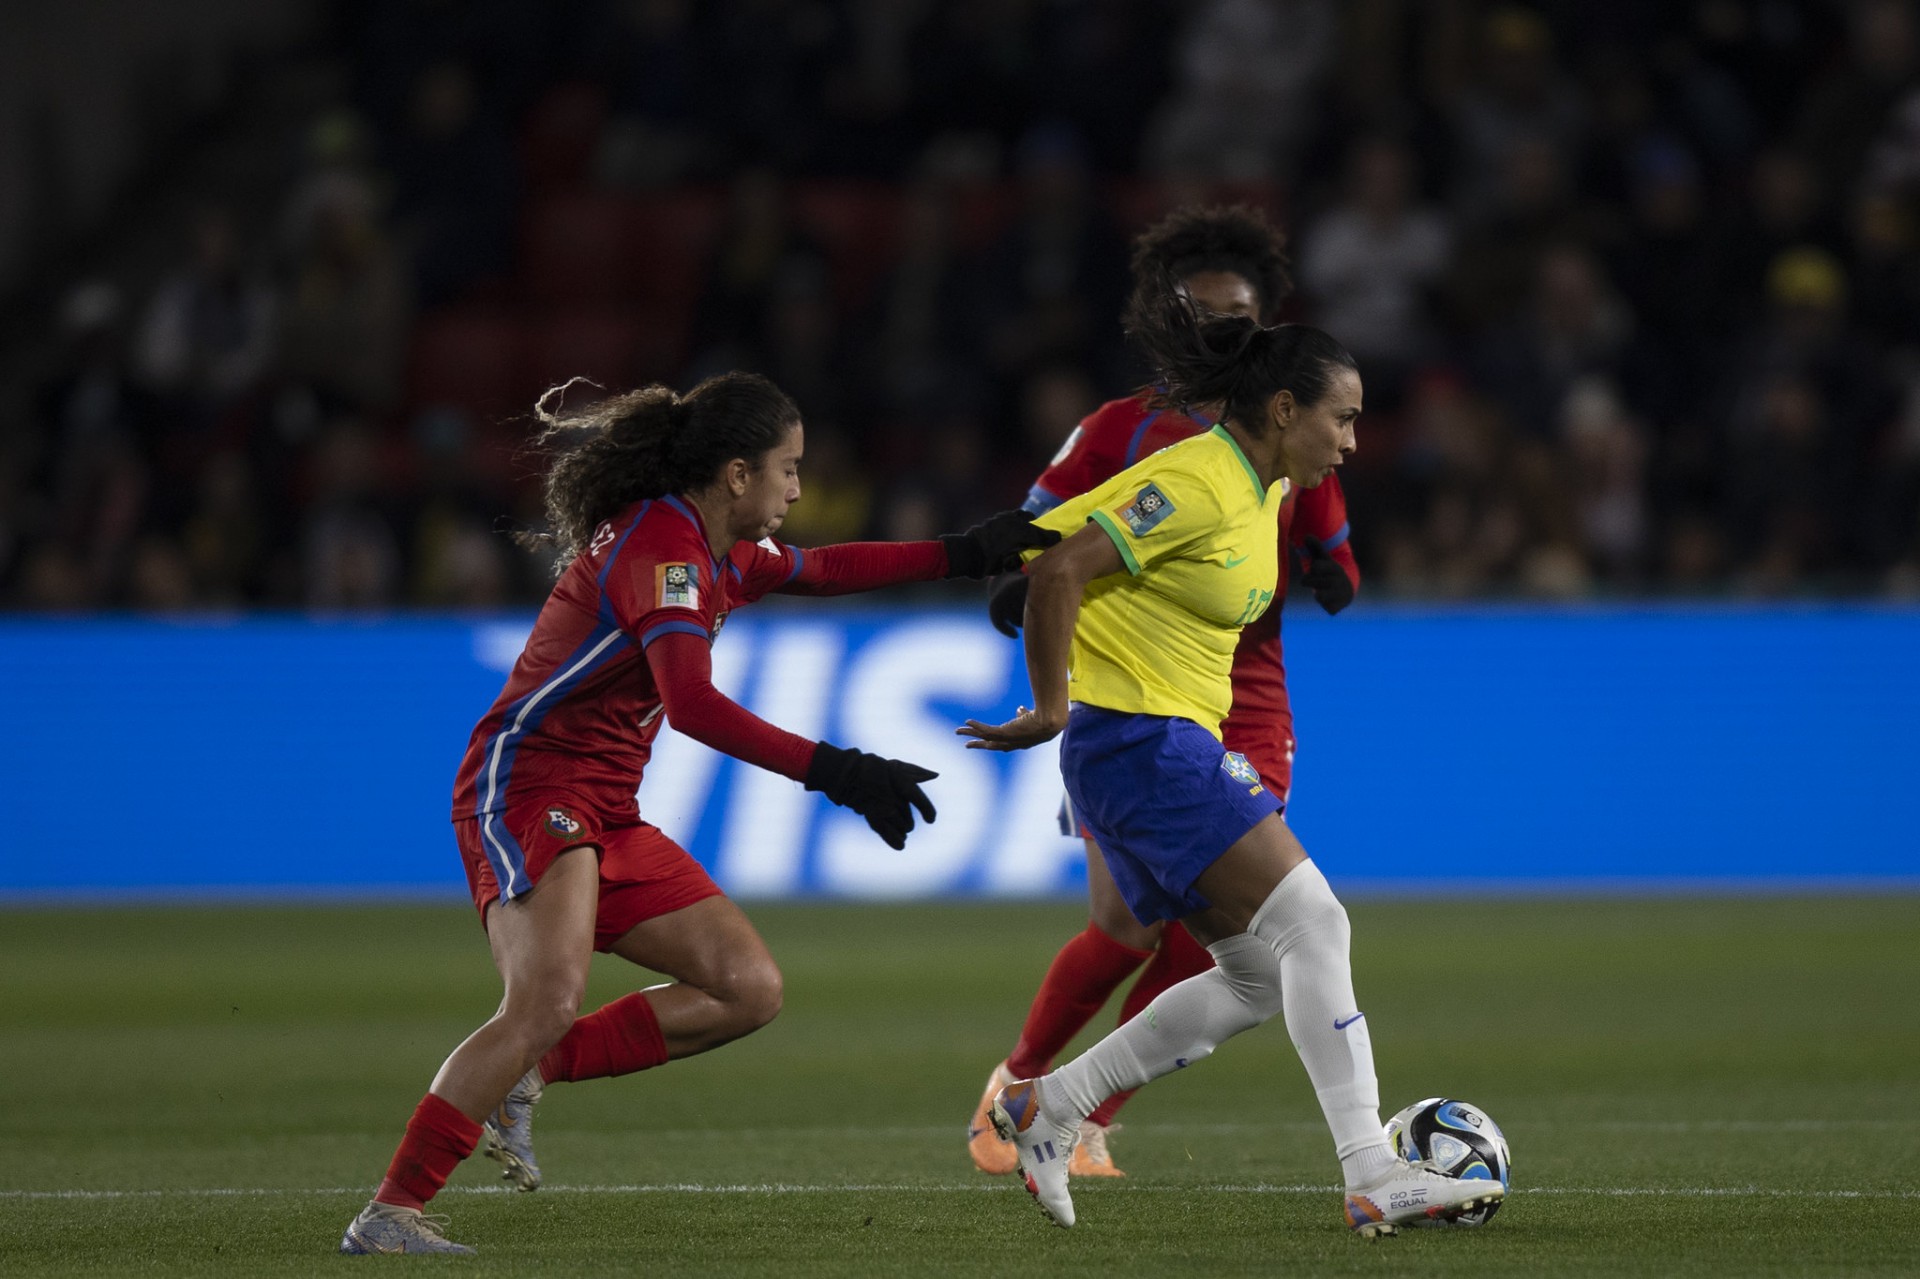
1459 1138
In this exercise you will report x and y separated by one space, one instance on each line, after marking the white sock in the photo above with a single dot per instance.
1183 1024
1367 1165
1307 927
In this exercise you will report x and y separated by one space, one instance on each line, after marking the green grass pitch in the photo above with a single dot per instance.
1691 1088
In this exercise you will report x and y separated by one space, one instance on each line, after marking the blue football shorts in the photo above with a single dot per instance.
1163 799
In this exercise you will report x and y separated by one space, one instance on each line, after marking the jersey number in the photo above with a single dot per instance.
1257 601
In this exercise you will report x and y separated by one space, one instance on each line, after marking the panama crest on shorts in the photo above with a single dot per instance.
677 586
1148 508
1241 771
562 824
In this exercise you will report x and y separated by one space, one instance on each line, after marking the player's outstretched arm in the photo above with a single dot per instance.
994 545
884 791
1059 578
991 546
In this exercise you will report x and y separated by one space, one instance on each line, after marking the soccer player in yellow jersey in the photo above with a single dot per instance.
1131 623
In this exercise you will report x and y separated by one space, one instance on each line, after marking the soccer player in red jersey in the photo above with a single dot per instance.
1230 261
666 515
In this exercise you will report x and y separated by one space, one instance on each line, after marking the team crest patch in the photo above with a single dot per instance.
1148 508
562 824
1237 768
678 585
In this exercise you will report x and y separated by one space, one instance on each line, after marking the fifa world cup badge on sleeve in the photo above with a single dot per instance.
1148 508
677 586
1237 768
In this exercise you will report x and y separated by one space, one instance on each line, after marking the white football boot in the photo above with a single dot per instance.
1417 1194
390 1228
1044 1145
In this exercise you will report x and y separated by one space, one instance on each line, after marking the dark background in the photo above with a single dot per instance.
1633 286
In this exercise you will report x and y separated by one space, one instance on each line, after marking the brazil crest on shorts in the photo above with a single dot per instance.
1241 771
1148 508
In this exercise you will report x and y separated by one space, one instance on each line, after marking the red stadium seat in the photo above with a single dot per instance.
672 235
577 248
470 358
981 212
1138 203
559 138
601 345
619 348
859 223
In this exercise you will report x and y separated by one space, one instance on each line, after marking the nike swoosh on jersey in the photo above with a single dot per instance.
1342 1025
1233 562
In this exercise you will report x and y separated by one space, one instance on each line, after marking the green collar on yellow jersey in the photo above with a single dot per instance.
1252 474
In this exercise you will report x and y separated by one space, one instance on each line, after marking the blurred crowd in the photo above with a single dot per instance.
1634 288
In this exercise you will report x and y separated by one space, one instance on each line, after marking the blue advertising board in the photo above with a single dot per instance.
1471 749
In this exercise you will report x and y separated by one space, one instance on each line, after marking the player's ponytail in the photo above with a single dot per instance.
1200 358
648 443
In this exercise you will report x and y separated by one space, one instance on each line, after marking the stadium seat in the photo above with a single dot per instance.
1137 203
558 140
599 344
470 358
671 236
859 224
981 212
577 248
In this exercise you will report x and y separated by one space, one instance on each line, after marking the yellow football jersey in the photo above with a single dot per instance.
1199 534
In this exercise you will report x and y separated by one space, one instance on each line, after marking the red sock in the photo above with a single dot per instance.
1178 958
618 1039
438 1138
1084 974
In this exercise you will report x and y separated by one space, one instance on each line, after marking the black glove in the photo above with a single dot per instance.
994 544
1007 602
884 791
1325 578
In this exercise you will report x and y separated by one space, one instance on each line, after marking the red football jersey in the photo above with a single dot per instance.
581 708
1120 433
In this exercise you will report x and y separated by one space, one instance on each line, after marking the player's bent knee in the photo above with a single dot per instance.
758 995
544 1017
1250 969
1120 926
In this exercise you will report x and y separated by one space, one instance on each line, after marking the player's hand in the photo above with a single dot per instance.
1026 728
884 791
1325 577
994 544
1007 602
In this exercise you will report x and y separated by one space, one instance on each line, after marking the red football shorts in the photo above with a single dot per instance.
643 874
1270 753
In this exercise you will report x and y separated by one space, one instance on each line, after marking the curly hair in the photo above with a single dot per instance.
1202 358
1214 237
648 443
